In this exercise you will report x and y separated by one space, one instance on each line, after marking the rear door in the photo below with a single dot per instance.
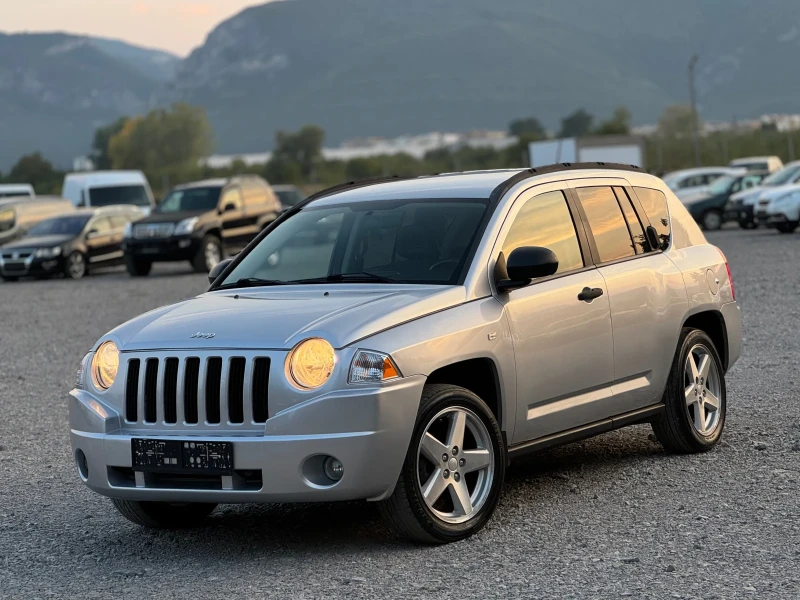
646 290
100 240
562 344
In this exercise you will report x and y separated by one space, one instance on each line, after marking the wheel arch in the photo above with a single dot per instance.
712 323
478 375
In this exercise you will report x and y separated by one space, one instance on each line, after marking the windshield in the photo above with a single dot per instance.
71 225
781 177
119 194
398 241
200 199
722 185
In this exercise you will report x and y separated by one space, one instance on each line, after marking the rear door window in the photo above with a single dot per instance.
632 220
606 222
654 203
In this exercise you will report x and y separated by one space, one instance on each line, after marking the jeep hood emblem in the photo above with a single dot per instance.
205 336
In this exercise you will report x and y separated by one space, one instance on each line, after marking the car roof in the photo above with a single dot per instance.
701 171
101 178
215 182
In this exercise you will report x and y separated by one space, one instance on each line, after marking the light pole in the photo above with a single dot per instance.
692 101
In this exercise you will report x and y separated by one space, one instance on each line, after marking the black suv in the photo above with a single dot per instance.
201 222
70 244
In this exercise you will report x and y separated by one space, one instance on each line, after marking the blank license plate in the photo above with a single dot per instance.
182 456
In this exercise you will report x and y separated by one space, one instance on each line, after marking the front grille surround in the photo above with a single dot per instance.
153 231
186 390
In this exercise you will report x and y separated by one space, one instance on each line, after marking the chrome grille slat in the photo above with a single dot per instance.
152 231
186 390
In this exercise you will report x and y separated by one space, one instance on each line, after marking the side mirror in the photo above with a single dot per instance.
218 269
91 233
228 207
526 263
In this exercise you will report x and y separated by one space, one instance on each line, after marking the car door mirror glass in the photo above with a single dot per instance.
230 206
527 263
217 270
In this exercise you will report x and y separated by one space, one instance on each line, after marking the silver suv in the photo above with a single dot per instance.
448 325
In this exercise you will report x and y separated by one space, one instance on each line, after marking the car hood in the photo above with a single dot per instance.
773 193
698 196
689 192
749 196
170 217
40 241
279 317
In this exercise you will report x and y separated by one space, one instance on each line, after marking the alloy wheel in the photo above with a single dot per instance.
455 464
702 390
213 254
76 265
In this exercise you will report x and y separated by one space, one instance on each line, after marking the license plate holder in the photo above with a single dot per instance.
182 456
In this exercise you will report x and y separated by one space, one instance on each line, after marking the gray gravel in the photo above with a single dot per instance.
608 518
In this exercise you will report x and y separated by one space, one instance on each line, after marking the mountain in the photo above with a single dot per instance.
56 88
357 67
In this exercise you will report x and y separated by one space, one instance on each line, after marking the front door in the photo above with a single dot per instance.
235 229
562 343
100 240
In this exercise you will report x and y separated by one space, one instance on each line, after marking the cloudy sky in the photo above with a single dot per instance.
174 25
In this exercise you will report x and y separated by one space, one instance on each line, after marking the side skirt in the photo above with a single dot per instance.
641 415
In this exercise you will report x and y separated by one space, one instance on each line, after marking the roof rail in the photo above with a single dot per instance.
509 183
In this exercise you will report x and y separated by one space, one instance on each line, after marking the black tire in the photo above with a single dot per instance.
75 266
406 511
712 220
137 267
674 428
199 263
9 279
163 515
786 227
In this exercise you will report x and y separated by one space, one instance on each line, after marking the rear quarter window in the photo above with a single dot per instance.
654 203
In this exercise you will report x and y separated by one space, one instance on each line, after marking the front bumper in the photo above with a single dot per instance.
32 267
743 213
173 248
368 429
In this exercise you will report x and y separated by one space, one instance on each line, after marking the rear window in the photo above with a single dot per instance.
14 194
119 194
654 203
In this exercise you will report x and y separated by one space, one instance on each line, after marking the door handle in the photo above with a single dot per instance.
589 294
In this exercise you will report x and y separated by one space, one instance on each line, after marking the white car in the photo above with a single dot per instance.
688 182
781 208
13 190
746 203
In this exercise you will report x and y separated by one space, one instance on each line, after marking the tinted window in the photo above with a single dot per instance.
71 225
606 222
546 221
654 204
634 225
14 194
119 194
410 241
750 181
191 199
288 197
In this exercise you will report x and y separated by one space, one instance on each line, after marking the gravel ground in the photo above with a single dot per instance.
608 518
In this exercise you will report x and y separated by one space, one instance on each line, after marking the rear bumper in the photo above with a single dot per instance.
732 315
162 250
367 429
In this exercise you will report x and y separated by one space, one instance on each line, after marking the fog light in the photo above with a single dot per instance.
334 468
184 243
83 466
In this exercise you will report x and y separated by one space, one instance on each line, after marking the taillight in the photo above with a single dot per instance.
728 269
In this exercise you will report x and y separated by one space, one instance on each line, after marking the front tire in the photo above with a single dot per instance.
695 400
453 474
208 254
75 266
712 220
163 515
786 227
137 268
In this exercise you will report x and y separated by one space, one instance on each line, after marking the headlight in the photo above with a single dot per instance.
48 252
104 365
310 363
186 226
128 233
784 198
372 367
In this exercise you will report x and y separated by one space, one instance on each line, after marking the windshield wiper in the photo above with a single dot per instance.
348 278
251 282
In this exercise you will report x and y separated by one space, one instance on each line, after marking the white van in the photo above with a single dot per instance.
107 188
9 190
758 163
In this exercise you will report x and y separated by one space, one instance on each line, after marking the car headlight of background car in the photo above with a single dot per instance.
785 198
372 367
128 232
105 364
310 363
186 226
48 252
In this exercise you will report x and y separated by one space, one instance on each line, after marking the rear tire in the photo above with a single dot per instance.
786 227
208 254
712 220
163 515
690 423
138 268
453 511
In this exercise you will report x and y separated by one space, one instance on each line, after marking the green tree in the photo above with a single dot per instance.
618 124
162 140
102 137
529 127
676 120
303 147
36 170
577 124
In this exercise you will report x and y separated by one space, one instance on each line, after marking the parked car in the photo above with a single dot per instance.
780 208
708 207
456 322
746 202
201 222
107 188
9 190
758 163
20 213
289 195
70 244
688 181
